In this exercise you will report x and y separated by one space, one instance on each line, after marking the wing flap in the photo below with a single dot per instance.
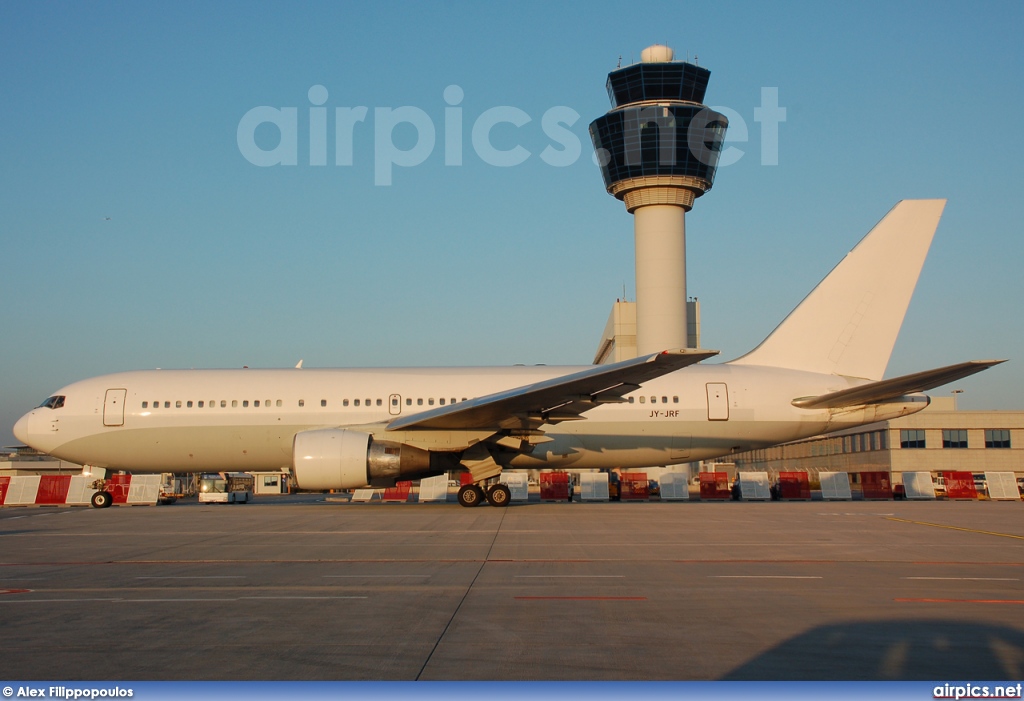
874 392
563 398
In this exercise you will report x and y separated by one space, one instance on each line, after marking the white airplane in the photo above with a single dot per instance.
820 370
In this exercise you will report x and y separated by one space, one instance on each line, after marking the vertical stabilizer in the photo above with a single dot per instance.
848 324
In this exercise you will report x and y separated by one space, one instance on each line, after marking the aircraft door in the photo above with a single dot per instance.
395 404
718 401
113 407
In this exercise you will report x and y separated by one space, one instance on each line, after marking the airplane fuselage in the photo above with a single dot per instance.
247 419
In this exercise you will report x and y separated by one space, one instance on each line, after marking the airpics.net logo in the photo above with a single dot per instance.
565 147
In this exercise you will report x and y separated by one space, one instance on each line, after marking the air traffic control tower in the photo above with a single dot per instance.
658 148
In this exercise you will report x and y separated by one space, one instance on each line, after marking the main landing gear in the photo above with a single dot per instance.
474 495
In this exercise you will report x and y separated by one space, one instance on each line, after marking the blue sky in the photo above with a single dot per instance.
131 110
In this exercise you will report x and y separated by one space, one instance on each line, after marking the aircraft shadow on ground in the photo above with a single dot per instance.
893 650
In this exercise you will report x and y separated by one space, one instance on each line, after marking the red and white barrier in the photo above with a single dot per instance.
76 490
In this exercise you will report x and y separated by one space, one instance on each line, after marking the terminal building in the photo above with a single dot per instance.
938 439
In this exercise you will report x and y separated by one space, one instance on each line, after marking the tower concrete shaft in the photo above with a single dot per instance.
658 148
660 233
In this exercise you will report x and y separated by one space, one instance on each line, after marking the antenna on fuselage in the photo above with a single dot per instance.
298 366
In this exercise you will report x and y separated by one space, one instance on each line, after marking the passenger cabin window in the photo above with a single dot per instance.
167 405
234 403
380 402
189 404
279 402
245 402
356 402
419 402
223 403
302 402
256 403
344 402
441 401
408 401
145 405
323 402
430 401
200 403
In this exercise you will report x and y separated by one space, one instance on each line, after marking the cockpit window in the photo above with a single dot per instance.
54 402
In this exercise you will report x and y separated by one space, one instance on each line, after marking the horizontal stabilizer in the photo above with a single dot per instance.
880 391
562 398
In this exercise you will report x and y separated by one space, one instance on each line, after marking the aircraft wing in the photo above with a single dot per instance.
882 390
558 399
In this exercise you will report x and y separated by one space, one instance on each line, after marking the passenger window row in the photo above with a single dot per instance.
178 404
213 403
654 400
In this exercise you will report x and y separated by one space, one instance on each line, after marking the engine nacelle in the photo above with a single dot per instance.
341 458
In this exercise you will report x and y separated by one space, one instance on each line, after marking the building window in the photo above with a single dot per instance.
994 438
954 438
912 438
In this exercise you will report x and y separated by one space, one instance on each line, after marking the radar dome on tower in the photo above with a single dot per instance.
656 53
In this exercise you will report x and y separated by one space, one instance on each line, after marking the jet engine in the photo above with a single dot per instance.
341 458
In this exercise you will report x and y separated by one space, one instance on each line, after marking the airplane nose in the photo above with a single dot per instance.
21 429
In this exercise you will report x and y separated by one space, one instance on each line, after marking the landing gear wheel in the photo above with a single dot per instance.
499 495
101 500
470 495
